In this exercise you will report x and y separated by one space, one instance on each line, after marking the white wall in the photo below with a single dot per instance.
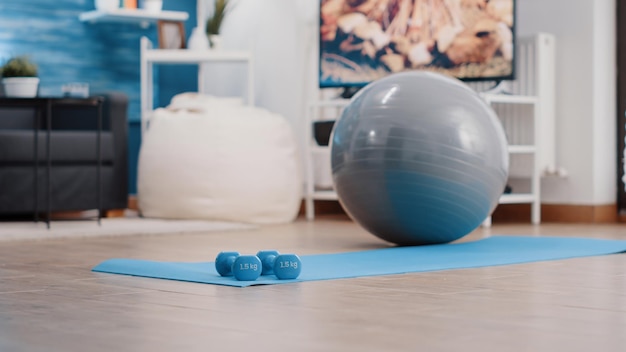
585 34
605 102
281 35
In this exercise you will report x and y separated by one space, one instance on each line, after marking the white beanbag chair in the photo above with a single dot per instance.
210 158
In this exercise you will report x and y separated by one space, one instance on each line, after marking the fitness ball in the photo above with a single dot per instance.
418 158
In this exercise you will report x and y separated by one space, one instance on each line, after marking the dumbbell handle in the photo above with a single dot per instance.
224 262
268 263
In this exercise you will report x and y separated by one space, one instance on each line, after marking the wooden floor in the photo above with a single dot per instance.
50 301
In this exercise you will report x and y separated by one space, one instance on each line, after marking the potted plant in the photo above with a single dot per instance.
215 20
19 78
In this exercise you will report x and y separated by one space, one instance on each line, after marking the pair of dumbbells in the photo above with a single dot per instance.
250 267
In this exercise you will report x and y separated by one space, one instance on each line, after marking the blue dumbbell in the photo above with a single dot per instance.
242 267
284 266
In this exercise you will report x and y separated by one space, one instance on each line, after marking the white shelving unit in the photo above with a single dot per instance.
311 149
151 56
139 16
533 197
528 116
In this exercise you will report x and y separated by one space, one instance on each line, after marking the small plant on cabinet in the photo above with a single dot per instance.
19 78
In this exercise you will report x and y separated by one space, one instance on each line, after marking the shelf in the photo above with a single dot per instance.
517 198
335 103
139 16
504 199
513 149
509 99
325 195
491 98
522 149
177 56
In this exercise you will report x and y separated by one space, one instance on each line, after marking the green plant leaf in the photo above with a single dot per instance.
220 10
19 66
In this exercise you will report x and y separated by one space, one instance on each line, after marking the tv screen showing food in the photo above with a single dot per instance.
363 40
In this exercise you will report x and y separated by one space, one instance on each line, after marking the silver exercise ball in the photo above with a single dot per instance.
419 158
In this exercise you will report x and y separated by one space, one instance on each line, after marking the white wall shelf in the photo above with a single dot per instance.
139 16
325 195
509 99
517 198
522 149
151 56
184 56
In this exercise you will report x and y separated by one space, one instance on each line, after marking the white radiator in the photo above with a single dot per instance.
534 76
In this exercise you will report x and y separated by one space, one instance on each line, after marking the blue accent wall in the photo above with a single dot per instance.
105 55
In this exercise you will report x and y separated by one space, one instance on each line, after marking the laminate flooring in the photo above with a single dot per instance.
51 301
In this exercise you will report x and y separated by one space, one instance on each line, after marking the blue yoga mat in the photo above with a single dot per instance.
497 250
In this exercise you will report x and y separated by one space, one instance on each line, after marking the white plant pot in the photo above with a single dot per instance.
20 87
216 41
153 5
106 5
198 40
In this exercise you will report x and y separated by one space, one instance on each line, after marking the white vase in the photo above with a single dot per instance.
153 5
20 87
216 41
198 40
106 5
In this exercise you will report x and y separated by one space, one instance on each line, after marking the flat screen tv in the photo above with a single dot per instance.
363 40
